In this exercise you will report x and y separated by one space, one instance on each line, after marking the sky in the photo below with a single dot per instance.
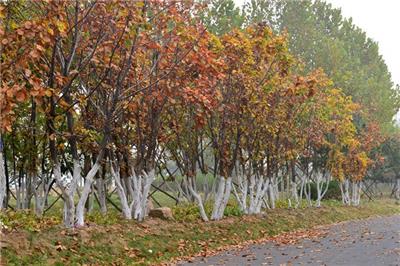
380 19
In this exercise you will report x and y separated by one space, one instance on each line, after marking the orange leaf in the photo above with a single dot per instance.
34 93
21 96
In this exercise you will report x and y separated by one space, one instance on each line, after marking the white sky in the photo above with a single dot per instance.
380 19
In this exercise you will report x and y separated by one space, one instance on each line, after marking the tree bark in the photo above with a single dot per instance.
344 189
80 208
101 192
69 205
241 195
126 209
142 186
222 198
198 199
271 193
3 181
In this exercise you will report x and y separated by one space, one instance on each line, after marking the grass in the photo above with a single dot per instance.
31 241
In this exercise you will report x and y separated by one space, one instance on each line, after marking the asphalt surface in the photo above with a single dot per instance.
374 241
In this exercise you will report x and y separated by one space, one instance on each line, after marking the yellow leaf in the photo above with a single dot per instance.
50 31
61 26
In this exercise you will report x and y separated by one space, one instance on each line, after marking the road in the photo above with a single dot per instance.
374 241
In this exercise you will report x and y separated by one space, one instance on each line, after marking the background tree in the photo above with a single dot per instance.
222 16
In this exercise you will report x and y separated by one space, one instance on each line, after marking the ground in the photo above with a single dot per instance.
111 240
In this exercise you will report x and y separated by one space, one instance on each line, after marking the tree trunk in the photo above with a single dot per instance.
23 192
80 208
69 205
225 199
89 201
241 195
356 192
271 192
198 199
251 193
397 194
307 191
295 195
321 191
218 197
126 209
222 197
3 181
142 185
101 192
39 193
344 189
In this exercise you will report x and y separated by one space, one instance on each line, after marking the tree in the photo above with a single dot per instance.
97 97
222 16
322 38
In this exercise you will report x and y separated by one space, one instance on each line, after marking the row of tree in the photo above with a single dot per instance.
97 95
321 38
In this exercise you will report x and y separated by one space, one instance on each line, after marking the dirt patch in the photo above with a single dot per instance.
15 240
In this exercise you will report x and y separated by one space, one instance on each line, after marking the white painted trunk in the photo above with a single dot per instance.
39 193
80 208
356 192
257 199
307 192
318 203
89 202
221 198
129 188
69 211
397 194
225 199
126 209
321 191
198 199
241 195
257 188
101 191
271 193
3 188
252 187
69 205
39 207
218 197
276 188
123 184
76 176
344 189
256 194
295 196
142 185
302 187
260 198
244 195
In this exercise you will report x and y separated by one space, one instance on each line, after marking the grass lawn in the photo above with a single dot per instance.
112 241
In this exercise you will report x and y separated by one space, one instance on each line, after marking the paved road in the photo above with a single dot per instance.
374 241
